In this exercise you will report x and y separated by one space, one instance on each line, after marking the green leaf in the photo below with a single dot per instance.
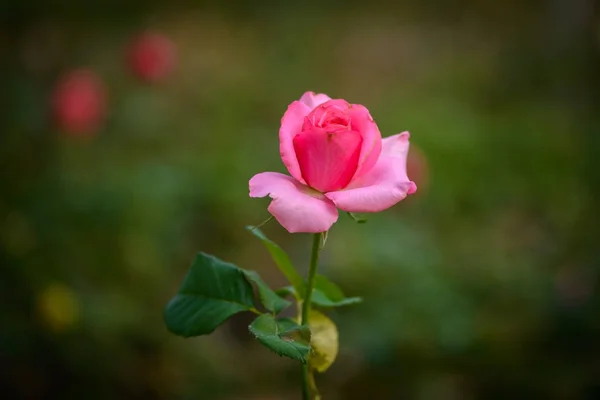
281 259
268 297
212 291
321 300
325 294
328 294
328 288
324 236
357 219
286 291
284 336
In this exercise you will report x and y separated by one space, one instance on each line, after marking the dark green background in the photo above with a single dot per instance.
483 285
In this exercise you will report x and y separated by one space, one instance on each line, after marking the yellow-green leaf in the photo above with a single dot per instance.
324 341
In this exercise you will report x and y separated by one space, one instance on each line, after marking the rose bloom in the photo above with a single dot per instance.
79 102
336 158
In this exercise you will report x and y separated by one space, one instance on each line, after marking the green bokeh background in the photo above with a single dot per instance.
483 285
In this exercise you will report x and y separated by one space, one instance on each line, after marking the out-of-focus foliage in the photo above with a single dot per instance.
483 285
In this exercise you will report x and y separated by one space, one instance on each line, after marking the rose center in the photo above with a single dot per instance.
328 156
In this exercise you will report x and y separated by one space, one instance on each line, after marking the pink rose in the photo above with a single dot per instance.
337 159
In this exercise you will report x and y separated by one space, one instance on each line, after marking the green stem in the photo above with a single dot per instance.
312 272
307 378
305 382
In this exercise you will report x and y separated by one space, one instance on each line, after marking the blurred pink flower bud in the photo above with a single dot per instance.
151 56
79 102
417 167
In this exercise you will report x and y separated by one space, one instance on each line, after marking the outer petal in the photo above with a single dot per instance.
313 100
296 207
291 125
384 185
362 121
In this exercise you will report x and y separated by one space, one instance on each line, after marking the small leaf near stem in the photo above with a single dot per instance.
325 294
357 219
282 260
324 238
328 294
262 223
269 299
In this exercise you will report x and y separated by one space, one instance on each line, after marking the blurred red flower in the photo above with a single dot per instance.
79 102
151 56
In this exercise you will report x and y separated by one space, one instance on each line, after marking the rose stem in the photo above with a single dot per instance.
307 378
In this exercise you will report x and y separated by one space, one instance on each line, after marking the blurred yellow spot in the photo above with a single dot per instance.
324 341
58 307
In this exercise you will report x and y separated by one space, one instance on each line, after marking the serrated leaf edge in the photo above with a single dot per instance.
303 359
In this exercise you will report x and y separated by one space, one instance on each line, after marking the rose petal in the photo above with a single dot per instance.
327 160
296 207
332 110
338 104
384 185
291 125
396 145
312 100
362 121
